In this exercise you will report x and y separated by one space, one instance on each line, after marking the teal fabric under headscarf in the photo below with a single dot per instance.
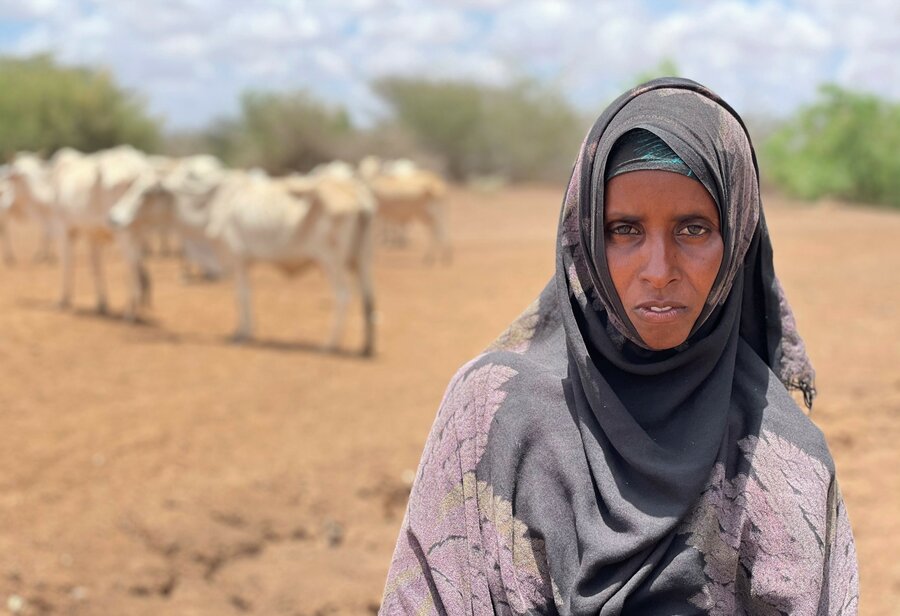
639 150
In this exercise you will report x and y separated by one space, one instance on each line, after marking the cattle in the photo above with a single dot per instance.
86 187
183 189
405 194
164 232
291 223
178 199
6 214
29 193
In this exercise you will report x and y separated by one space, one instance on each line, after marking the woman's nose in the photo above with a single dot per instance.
660 267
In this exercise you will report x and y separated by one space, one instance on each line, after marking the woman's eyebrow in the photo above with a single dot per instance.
695 216
613 216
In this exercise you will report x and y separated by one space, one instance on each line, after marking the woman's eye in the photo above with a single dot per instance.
694 230
623 229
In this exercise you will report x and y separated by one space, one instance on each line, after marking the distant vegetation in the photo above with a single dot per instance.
45 106
522 131
844 145
281 132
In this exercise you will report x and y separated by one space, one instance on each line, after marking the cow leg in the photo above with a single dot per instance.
439 232
99 280
244 329
44 253
364 248
139 280
431 251
165 244
8 256
338 278
400 236
146 246
67 238
368 305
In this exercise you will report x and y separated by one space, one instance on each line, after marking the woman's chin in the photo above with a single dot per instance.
661 341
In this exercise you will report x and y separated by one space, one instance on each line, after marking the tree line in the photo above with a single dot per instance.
842 145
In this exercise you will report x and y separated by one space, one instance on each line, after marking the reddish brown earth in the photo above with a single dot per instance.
157 469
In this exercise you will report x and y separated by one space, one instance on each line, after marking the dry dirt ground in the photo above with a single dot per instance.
158 469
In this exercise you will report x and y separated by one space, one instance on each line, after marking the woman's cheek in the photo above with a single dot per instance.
707 260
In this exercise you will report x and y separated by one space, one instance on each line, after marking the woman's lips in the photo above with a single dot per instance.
660 312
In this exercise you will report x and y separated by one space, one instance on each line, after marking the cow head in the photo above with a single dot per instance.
24 184
149 207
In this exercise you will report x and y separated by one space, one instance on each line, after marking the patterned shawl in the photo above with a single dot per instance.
572 471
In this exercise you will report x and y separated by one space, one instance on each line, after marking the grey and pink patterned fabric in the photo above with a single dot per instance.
571 471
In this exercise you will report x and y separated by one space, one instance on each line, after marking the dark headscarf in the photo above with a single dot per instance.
641 150
653 422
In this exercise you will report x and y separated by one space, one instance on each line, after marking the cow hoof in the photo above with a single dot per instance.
239 338
64 304
102 309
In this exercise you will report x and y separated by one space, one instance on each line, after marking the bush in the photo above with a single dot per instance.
845 146
44 106
281 132
520 131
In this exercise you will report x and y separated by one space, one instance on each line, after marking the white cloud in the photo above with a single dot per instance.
34 9
867 40
191 58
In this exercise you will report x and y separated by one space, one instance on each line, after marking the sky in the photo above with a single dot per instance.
190 59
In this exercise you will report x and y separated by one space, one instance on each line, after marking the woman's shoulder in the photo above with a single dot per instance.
778 415
786 423
492 376
505 395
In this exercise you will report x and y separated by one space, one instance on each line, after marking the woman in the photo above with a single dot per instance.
629 445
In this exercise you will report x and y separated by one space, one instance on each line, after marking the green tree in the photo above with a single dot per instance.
522 131
281 132
446 117
844 145
45 106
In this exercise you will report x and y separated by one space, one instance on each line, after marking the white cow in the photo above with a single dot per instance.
405 194
164 232
293 225
183 198
290 223
182 189
29 192
86 187
179 200
6 214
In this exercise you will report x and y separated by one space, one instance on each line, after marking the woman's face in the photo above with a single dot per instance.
664 248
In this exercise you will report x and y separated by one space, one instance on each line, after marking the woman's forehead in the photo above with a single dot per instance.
656 192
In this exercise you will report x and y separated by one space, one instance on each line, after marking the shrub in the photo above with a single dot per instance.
521 131
281 132
45 106
844 145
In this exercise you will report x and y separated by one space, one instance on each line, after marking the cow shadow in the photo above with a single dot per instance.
294 346
162 336
83 312
150 331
